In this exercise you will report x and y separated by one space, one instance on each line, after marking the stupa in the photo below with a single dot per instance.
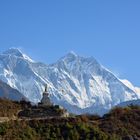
45 101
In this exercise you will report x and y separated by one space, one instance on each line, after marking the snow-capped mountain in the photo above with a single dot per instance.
79 84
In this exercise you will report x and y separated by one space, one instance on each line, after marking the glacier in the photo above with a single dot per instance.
79 84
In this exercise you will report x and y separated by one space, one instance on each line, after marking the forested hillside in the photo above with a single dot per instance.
119 123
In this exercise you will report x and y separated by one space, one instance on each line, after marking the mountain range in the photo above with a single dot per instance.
79 84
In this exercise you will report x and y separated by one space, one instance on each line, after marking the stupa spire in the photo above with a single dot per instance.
46 88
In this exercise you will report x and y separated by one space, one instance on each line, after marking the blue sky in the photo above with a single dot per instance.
109 30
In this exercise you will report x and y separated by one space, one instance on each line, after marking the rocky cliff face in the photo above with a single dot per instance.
9 93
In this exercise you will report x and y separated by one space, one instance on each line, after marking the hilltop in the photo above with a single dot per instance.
119 123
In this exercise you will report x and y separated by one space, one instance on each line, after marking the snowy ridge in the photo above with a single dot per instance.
17 53
129 84
128 103
79 84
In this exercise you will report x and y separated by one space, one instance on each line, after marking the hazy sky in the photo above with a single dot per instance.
109 30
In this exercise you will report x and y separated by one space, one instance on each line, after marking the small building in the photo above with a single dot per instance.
45 101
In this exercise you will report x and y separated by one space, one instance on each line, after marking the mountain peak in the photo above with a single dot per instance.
18 53
14 51
71 55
